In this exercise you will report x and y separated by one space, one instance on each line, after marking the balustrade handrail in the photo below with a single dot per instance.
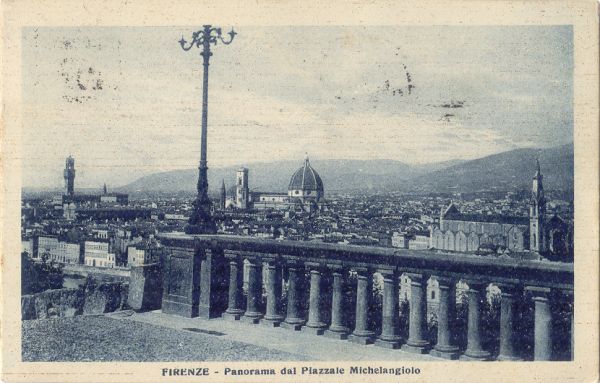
466 266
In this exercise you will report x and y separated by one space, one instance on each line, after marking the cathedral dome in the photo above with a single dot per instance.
306 182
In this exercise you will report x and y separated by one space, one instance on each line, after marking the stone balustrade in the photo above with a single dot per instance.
304 286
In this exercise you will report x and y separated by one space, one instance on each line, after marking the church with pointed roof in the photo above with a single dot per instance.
498 233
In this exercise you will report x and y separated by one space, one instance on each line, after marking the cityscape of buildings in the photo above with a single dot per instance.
112 230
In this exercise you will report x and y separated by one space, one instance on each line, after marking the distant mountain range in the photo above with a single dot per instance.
504 171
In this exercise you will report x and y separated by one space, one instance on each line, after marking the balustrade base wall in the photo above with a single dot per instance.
291 326
502 358
208 312
269 322
178 308
250 319
314 330
232 316
340 335
451 353
416 349
392 344
476 356
362 339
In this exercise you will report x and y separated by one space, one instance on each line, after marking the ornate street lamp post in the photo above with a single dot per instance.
201 221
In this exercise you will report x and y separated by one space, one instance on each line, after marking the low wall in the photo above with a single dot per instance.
84 271
52 303
89 300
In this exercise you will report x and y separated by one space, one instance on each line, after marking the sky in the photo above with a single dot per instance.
126 101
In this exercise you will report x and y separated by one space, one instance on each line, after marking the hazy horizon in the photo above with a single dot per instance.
252 165
125 101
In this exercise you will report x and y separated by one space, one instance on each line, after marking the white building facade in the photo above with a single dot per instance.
58 251
96 254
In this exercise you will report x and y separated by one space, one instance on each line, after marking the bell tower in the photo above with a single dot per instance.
537 213
69 176
242 192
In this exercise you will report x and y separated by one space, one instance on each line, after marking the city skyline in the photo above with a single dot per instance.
471 92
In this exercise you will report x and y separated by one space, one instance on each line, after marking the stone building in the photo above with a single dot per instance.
28 247
242 190
477 232
143 253
419 240
306 185
97 254
58 251
305 192
400 240
470 232
69 176
93 204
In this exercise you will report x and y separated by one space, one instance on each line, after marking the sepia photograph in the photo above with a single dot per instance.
270 197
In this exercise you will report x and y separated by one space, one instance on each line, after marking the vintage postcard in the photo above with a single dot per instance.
300 191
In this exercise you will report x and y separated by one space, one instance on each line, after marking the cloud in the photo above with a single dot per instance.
277 92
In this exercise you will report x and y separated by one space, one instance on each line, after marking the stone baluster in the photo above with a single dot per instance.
417 343
273 316
444 347
254 294
476 296
390 325
569 295
362 334
293 319
315 324
338 328
542 349
507 314
236 279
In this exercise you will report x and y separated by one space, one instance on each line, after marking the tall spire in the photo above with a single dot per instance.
306 157
538 172
538 187
537 213
223 197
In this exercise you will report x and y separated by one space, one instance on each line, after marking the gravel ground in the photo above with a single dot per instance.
100 338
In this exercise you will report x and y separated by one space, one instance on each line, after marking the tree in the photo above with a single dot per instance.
38 277
28 275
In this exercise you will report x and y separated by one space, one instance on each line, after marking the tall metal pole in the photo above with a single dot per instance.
201 221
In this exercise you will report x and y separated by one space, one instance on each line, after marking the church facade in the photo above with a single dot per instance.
477 233
470 233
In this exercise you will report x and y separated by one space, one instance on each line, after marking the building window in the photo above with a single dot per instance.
432 294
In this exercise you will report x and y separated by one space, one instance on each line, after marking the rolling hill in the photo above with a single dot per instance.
503 171
338 175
